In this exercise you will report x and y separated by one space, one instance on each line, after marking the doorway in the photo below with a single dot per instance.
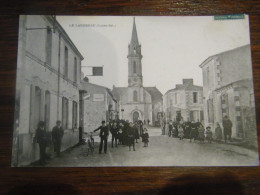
135 116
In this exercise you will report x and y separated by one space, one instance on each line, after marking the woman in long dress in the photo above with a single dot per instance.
201 135
218 133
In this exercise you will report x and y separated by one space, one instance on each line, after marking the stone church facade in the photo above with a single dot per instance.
137 102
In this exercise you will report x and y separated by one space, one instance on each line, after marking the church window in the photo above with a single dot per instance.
135 96
134 67
195 97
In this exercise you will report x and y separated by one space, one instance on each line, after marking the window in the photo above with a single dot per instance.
207 77
75 70
37 106
74 114
48 46
134 67
224 104
65 112
175 98
195 97
47 110
135 96
171 102
66 56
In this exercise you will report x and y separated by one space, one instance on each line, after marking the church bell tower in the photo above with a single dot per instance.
134 56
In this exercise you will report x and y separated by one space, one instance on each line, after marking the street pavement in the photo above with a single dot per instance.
162 151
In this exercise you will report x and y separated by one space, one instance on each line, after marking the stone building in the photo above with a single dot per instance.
184 101
137 102
47 88
228 91
98 103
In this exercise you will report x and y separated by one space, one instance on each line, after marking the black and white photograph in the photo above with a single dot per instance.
112 91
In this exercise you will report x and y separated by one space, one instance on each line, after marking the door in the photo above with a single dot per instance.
135 116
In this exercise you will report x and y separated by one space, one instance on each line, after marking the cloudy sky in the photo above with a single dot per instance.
172 47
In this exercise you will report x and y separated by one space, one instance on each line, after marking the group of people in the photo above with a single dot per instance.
43 138
196 131
123 133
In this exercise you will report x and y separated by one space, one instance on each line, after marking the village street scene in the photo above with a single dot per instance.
87 99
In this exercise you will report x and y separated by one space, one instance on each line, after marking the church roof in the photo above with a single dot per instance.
155 94
134 39
118 92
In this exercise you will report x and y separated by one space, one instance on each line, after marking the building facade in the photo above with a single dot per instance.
137 102
184 101
98 104
47 88
228 91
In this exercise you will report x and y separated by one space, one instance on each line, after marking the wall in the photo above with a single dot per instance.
35 72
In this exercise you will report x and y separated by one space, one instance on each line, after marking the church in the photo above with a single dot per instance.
137 102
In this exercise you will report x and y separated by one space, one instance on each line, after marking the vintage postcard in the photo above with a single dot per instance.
102 91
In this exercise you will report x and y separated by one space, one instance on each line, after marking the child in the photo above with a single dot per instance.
120 133
181 132
208 134
90 146
201 132
91 138
145 137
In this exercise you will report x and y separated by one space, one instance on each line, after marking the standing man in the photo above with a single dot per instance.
114 132
227 125
104 132
41 139
57 134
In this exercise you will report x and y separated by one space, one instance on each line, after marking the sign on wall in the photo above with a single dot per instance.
98 98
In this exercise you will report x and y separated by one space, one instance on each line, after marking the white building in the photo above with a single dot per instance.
47 88
228 91
184 101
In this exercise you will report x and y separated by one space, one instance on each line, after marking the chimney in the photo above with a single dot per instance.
187 81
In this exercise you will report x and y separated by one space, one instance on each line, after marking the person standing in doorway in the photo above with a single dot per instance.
41 139
227 125
218 133
57 134
104 132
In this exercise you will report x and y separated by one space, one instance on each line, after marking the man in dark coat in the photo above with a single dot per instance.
114 132
104 132
57 134
41 139
141 125
227 125
136 128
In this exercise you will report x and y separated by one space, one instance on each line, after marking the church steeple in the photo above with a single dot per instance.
135 77
134 39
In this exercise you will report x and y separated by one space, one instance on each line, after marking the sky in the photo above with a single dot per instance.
173 47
